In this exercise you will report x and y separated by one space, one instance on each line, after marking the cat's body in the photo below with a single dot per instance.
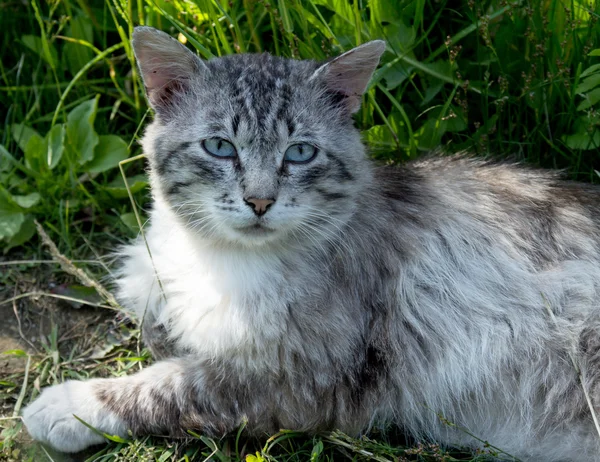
327 293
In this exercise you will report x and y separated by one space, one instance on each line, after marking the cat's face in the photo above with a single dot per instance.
252 148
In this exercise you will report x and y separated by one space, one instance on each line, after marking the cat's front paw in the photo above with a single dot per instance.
50 420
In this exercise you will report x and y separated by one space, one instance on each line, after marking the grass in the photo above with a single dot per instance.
506 78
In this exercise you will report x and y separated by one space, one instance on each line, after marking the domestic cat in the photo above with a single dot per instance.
291 283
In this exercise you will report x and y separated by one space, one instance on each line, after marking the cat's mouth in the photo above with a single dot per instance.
256 230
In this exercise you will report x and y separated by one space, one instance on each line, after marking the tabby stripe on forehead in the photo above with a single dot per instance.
235 124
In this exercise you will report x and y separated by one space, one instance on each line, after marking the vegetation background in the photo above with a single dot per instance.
496 77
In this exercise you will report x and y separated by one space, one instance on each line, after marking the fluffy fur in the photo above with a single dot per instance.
364 295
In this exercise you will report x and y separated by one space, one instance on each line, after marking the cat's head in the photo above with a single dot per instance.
253 148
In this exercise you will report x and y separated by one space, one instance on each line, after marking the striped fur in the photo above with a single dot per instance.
364 296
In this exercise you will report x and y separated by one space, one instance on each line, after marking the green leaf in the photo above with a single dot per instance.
583 140
27 201
81 136
396 74
22 134
116 188
341 8
591 98
11 215
35 153
255 458
34 43
591 82
10 224
316 451
14 352
384 11
110 150
595 52
590 70
55 140
379 138
400 37
25 232
6 160
130 221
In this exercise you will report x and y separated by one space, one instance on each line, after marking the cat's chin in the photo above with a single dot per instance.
255 235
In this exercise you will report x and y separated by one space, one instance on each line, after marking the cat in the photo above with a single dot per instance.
289 282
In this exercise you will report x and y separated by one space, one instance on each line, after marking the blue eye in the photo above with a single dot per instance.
219 148
300 153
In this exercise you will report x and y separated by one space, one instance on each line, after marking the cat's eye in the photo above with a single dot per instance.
219 147
300 153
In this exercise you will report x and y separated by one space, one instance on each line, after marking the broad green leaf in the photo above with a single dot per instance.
75 54
130 221
379 137
382 142
384 11
590 70
429 134
55 140
440 68
400 37
35 153
583 140
7 203
22 134
11 215
6 160
110 150
81 136
591 98
116 188
341 8
10 223
595 52
27 201
591 82
25 232
34 43
396 74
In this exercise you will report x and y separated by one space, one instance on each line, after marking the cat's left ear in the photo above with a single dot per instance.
349 73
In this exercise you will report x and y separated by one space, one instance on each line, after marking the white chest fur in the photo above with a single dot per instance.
214 301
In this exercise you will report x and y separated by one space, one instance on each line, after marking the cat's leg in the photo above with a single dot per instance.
174 396
160 399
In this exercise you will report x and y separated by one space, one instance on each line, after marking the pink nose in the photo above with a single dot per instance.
260 206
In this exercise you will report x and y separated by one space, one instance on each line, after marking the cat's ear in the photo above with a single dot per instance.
349 73
168 68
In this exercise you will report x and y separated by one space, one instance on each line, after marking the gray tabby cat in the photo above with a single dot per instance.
294 284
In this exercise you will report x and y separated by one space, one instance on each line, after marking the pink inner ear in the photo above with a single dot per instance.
165 64
154 79
350 73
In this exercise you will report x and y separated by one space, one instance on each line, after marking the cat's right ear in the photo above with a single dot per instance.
168 68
